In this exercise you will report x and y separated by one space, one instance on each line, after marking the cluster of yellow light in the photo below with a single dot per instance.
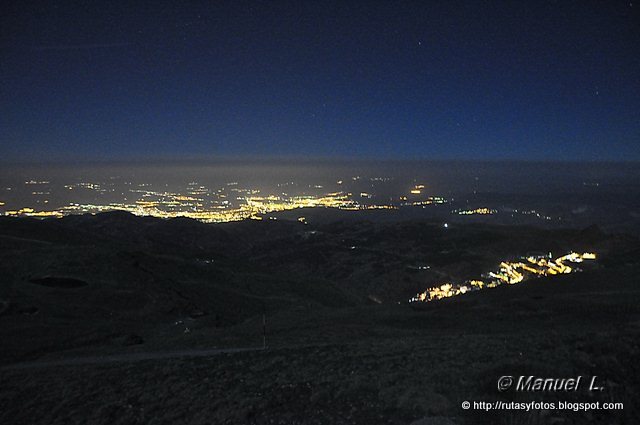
1 203
417 189
478 211
429 201
186 198
30 212
253 207
147 204
377 207
510 273
83 185
476 283
20 211
442 291
272 203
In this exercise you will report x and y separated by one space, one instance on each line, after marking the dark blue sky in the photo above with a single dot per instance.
432 79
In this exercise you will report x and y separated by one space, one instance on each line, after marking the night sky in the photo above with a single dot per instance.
433 80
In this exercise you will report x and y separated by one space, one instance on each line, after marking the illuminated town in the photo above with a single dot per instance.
476 211
235 201
229 202
173 205
509 272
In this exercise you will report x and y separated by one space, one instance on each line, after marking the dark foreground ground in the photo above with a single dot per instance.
83 287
